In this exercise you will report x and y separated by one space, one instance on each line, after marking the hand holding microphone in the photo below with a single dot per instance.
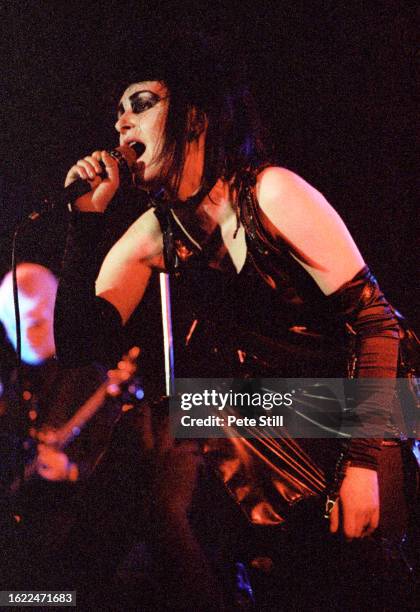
93 181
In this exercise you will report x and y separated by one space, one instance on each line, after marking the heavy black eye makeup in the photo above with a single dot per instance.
140 101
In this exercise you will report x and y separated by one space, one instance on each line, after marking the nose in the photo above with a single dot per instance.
124 122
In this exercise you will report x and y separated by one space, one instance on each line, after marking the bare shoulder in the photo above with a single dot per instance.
277 177
147 223
295 210
279 188
143 239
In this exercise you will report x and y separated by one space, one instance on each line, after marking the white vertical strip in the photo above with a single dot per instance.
168 346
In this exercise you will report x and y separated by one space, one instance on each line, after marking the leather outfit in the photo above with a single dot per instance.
87 327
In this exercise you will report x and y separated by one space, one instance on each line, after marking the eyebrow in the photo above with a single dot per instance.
120 107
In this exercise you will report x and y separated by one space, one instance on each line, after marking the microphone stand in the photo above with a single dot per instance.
168 339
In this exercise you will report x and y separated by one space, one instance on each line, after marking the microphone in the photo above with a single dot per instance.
126 157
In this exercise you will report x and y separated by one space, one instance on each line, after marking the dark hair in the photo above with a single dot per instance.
203 77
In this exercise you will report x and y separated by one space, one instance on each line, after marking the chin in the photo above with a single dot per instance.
36 356
33 358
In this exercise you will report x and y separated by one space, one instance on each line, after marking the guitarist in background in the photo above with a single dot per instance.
49 395
43 400
66 541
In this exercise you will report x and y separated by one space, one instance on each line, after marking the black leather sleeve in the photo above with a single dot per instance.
374 331
86 328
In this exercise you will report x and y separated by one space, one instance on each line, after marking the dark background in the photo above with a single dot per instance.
334 81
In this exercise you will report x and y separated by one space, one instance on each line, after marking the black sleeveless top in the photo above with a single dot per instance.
272 308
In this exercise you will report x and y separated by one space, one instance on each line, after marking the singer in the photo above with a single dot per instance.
243 234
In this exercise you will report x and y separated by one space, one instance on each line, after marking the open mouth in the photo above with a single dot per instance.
138 147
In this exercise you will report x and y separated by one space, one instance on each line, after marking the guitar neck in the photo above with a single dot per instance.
75 424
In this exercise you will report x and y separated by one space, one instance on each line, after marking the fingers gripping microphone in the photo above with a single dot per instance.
126 157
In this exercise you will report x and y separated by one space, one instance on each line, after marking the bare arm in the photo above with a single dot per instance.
88 319
295 211
126 270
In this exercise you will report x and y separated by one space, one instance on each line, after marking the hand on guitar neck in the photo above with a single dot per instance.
52 463
55 465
